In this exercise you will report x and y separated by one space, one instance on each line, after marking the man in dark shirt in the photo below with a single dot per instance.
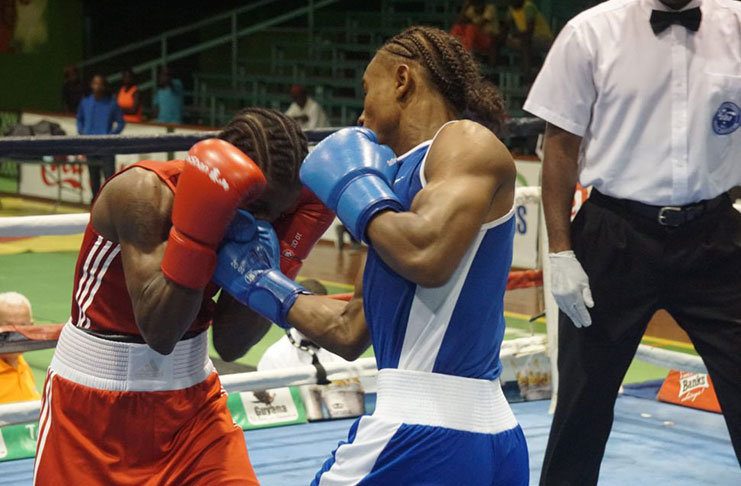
96 116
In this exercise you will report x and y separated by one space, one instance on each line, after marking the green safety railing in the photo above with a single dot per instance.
232 38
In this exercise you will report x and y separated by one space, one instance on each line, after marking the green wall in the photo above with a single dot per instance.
34 80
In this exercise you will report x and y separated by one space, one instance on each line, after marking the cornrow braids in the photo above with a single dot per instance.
274 141
453 70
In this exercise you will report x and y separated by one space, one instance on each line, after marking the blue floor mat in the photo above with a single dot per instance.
645 389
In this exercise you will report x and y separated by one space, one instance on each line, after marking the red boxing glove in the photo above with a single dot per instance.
299 229
217 178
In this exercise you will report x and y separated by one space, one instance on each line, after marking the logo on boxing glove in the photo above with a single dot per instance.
238 266
212 172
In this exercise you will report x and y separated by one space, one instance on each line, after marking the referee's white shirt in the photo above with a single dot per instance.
659 114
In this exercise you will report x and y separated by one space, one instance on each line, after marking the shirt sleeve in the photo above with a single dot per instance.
293 110
80 117
312 112
321 120
280 354
177 87
118 118
156 99
564 91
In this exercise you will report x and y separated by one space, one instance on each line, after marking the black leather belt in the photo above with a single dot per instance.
671 216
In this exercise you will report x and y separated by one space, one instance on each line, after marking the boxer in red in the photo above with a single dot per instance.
131 397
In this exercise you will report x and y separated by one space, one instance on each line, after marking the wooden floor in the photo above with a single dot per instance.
326 262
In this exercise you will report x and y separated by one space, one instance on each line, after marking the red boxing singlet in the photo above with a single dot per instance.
100 299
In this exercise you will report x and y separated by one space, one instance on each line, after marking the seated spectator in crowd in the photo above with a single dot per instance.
99 114
477 27
72 90
294 349
305 110
527 31
16 378
129 98
168 100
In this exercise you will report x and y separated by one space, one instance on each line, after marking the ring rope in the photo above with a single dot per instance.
22 412
48 225
67 224
171 142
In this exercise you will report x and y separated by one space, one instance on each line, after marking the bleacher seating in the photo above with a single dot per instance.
330 62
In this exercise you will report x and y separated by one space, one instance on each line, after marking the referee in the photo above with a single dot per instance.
642 102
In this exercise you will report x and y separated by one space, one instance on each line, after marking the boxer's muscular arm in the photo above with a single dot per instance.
470 180
236 328
560 169
333 324
134 210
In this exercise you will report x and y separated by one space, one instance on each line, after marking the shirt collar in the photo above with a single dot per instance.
649 5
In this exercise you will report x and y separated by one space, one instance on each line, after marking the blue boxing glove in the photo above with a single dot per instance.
248 269
352 174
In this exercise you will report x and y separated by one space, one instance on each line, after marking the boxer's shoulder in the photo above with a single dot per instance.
473 148
135 204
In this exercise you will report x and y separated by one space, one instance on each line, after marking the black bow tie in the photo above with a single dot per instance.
661 19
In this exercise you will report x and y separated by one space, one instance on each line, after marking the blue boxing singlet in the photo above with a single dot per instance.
455 329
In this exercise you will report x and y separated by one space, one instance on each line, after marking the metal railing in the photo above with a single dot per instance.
234 35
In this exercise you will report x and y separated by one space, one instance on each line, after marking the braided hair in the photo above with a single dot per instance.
274 141
453 70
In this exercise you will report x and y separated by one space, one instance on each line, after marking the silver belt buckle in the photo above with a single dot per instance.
665 216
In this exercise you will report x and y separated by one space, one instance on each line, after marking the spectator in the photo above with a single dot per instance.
129 98
527 31
16 378
294 349
305 110
96 116
168 100
72 90
477 27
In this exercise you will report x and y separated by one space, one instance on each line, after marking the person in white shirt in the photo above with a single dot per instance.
642 102
342 399
305 110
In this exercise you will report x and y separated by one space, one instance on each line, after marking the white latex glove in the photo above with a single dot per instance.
570 287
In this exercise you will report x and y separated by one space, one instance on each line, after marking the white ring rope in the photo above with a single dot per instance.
68 224
22 412
53 224
527 195
670 359
300 375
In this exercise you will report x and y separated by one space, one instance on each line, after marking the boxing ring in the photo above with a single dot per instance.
651 441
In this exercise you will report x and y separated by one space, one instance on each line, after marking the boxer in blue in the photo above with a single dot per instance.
432 196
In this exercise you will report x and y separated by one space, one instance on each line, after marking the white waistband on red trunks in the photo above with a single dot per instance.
437 400
108 365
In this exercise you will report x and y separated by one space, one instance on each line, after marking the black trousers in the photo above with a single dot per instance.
97 164
635 267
